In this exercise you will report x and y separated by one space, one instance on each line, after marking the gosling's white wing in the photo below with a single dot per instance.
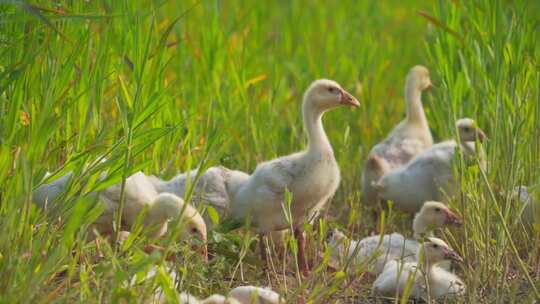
275 176
139 192
421 179
214 187
389 247
261 195
399 151
138 188
268 183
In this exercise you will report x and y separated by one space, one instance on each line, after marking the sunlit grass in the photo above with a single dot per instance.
166 86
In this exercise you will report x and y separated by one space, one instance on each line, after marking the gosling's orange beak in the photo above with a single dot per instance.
348 100
452 255
202 249
453 219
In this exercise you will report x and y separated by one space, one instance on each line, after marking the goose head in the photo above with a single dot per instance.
434 250
434 215
469 131
418 78
325 94
168 207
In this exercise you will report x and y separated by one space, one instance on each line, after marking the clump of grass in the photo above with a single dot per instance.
164 87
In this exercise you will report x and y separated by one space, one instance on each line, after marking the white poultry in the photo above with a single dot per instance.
238 295
255 295
429 281
378 249
186 298
312 176
409 138
215 187
139 194
429 176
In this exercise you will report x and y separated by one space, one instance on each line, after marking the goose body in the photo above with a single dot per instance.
429 176
380 249
409 138
255 295
396 275
215 187
312 178
140 194
376 250
427 278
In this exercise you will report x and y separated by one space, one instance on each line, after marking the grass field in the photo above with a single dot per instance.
165 86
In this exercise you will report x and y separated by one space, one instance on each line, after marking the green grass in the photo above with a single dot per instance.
165 86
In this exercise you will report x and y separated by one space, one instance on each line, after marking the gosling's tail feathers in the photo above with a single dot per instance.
375 168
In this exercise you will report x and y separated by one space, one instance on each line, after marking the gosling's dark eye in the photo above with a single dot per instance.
437 209
331 89
435 246
194 230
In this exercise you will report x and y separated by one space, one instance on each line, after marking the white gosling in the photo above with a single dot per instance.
409 138
140 194
312 176
215 187
429 281
378 250
255 295
161 207
429 176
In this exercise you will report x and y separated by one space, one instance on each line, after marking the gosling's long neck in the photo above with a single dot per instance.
317 139
415 110
469 148
423 261
420 227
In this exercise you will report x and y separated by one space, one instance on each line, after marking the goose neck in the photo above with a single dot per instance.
468 147
419 227
415 110
313 126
